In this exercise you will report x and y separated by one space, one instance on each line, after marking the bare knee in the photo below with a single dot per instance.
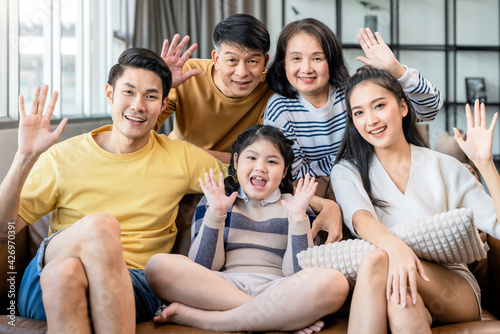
330 288
63 276
409 319
163 269
374 264
101 225
101 234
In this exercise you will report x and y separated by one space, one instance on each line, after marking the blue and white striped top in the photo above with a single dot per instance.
317 132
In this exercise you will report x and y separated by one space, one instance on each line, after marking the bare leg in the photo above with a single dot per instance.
368 312
447 297
95 241
176 278
295 303
411 319
65 279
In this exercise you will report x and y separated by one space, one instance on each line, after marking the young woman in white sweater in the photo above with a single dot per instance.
384 175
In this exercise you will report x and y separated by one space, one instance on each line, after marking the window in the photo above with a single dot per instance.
4 38
67 44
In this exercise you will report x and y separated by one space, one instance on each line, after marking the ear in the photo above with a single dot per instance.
215 58
109 94
235 159
164 103
404 108
284 172
266 59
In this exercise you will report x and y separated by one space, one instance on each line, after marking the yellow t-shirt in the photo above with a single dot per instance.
142 190
206 117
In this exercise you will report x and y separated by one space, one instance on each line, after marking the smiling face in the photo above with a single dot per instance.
260 168
307 69
136 102
377 115
238 71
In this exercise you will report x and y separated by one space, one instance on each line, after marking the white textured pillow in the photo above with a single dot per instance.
449 237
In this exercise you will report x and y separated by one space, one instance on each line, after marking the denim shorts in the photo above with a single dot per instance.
30 302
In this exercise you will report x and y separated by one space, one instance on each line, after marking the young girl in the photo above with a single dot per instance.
307 75
385 176
246 235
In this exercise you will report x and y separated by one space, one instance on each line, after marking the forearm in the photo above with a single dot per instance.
492 179
299 239
424 96
374 232
202 248
317 204
12 185
222 156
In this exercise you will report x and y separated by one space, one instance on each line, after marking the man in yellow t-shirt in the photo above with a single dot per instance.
113 194
227 93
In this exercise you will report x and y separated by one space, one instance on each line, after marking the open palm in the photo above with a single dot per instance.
218 202
479 140
34 135
175 59
305 190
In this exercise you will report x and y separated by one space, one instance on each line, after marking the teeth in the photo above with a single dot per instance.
258 178
378 131
134 118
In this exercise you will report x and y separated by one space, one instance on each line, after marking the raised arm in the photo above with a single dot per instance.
478 148
425 97
175 59
34 138
299 230
207 247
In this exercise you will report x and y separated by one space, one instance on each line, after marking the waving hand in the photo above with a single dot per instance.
378 54
303 193
215 193
175 59
479 138
34 136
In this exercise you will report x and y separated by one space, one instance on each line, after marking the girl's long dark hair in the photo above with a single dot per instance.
252 135
354 148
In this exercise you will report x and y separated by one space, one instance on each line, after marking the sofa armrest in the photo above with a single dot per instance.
18 258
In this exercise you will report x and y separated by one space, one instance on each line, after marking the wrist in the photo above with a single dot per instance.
297 215
486 167
398 70
25 160
217 212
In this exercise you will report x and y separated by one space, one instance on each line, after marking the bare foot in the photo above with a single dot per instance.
316 327
173 313
186 315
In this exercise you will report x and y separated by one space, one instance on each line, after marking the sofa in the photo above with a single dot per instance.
487 272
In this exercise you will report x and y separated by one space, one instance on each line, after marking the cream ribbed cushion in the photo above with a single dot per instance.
449 237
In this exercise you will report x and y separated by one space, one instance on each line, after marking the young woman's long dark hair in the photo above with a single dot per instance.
251 135
354 148
276 74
